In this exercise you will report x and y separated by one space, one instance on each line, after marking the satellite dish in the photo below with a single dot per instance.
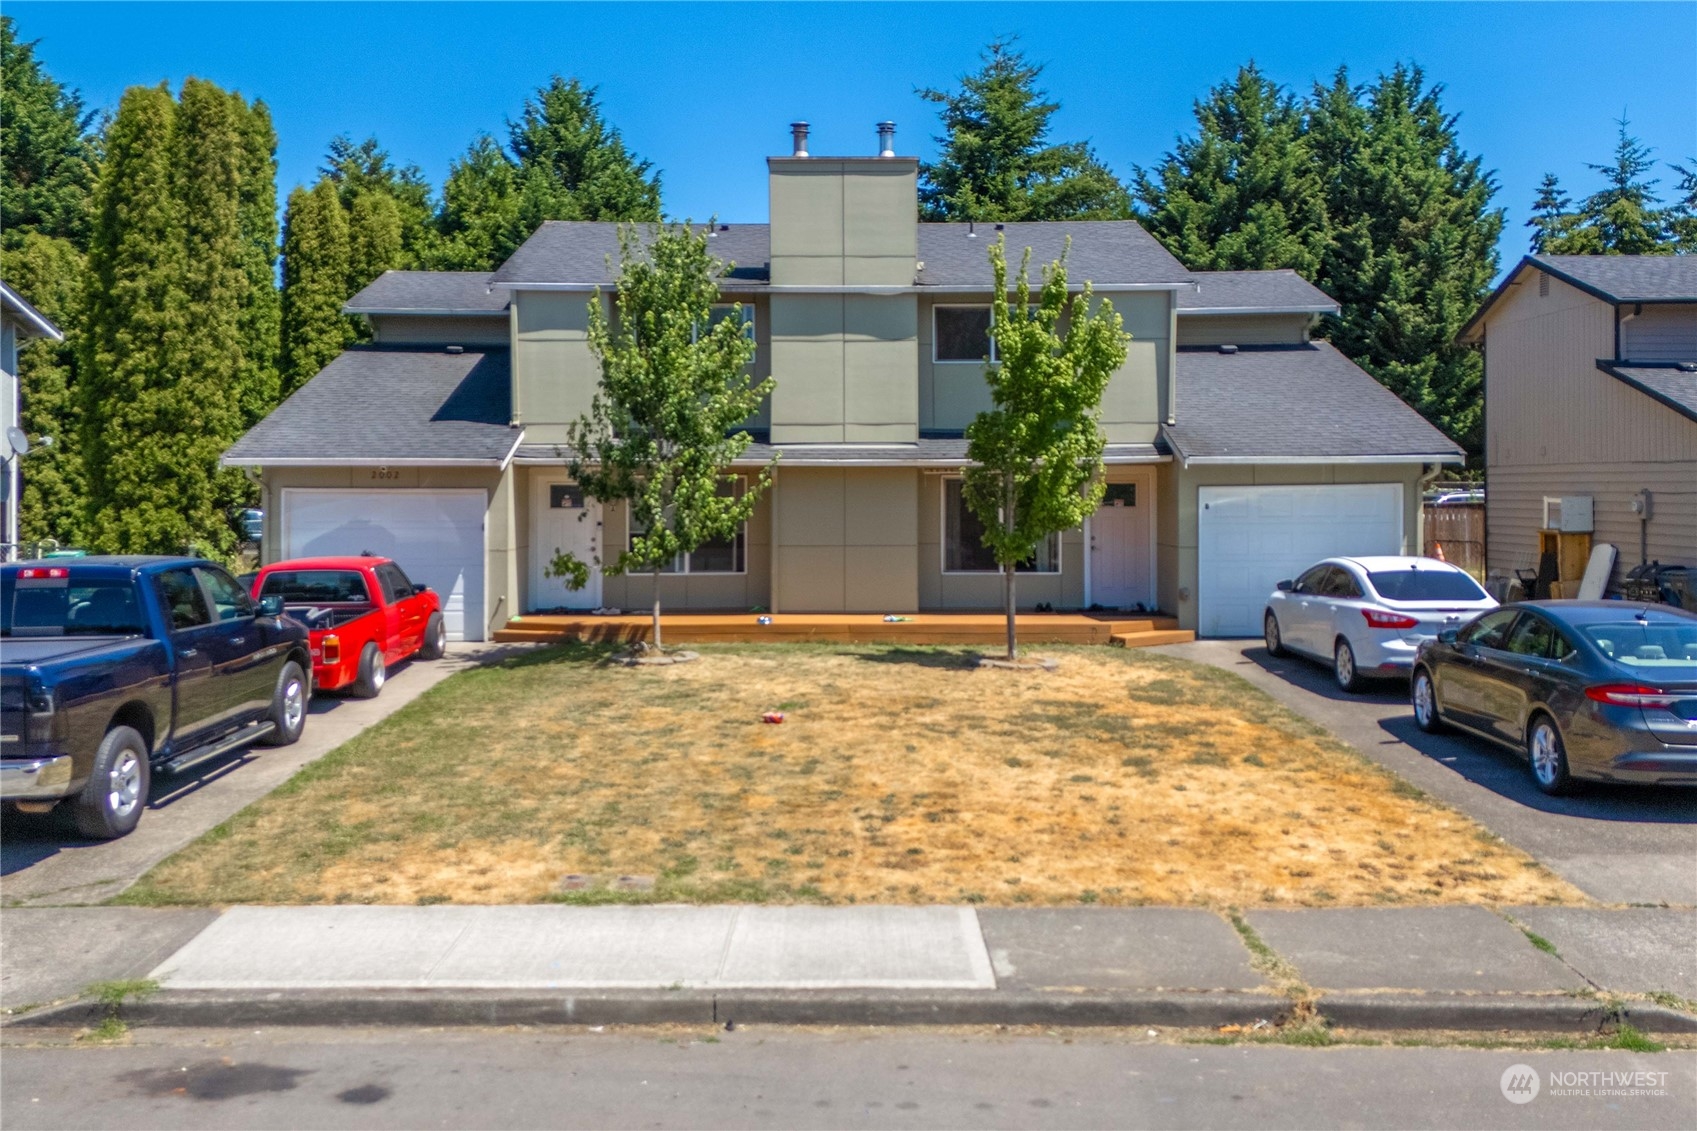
18 440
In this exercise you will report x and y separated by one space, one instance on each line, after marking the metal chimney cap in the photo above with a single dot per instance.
798 135
886 139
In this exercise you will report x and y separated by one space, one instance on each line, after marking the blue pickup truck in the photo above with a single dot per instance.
113 669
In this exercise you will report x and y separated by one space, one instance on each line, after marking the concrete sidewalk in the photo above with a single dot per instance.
1439 967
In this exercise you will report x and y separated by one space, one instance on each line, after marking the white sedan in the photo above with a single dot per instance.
1368 616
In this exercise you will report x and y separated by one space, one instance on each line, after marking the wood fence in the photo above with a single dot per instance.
1456 533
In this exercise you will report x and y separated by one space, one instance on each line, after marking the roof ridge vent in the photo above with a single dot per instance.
1228 349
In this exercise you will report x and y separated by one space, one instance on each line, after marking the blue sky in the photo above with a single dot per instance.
705 91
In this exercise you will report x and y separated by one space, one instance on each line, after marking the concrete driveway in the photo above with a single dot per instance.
1619 844
43 861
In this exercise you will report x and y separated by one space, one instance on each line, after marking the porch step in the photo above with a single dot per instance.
1151 623
1150 638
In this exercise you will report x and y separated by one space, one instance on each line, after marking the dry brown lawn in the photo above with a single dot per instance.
899 775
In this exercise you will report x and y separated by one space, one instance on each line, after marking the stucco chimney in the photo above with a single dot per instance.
886 139
798 133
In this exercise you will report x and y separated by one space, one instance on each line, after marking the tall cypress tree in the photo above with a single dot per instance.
366 167
996 161
1412 247
261 311
374 238
1243 192
315 283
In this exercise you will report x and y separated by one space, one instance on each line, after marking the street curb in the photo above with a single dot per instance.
1481 1012
428 1008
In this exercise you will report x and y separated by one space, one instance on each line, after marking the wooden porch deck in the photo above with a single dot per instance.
1123 629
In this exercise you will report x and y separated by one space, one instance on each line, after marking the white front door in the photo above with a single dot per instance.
563 521
1119 548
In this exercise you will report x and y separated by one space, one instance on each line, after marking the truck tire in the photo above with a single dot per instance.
372 673
110 805
288 707
435 644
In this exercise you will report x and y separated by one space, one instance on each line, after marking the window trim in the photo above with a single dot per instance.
936 338
686 570
943 541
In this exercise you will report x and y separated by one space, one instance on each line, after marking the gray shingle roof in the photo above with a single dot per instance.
435 292
1253 290
31 322
1107 252
395 405
922 453
1292 402
1672 384
1627 278
587 253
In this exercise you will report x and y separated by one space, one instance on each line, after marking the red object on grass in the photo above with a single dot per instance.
772 717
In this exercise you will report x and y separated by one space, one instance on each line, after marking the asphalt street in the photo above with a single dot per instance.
1619 844
43 861
821 1078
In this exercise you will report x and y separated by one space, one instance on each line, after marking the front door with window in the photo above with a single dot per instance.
1119 549
563 520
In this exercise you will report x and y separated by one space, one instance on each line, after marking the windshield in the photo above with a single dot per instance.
1426 585
316 587
1665 650
56 602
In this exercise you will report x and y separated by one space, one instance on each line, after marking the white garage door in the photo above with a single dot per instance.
1249 538
436 536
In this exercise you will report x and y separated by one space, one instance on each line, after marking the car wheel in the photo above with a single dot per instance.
110 804
1547 756
372 673
288 707
1270 630
1343 667
1424 694
435 644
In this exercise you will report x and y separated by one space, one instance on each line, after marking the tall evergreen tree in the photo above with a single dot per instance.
1682 216
1624 213
366 167
1243 192
47 156
563 161
261 313
374 238
315 283
1412 247
996 162
1556 227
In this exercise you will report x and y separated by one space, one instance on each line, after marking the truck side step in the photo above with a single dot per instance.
222 746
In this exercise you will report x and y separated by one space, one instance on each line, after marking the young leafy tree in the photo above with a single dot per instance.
1244 192
996 163
315 283
1037 454
667 420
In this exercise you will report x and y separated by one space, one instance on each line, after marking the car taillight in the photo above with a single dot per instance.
1379 618
52 572
1631 695
332 646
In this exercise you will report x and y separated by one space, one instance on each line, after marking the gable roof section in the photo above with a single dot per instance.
429 292
1293 404
34 323
1254 292
1674 383
1110 253
1608 278
375 405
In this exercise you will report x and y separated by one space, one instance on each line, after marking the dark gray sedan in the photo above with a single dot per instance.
1605 690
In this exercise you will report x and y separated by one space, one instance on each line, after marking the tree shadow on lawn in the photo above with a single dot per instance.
958 659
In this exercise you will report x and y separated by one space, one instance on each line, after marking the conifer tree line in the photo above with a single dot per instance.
150 233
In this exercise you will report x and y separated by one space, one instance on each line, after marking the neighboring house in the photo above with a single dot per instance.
1238 451
1591 392
19 322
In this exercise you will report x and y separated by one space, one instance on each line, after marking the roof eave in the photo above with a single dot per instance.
234 460
1189 311
451 312
26 312
1290 460
1654 394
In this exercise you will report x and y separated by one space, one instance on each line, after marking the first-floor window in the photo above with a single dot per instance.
722 555
964 550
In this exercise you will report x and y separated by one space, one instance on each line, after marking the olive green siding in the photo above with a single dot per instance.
1176 522
441 329
844 221
554 372
845 368
1243 329
846 539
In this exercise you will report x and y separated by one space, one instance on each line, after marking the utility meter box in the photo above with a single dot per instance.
1570 514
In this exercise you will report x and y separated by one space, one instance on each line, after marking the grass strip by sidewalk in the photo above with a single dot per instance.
900 775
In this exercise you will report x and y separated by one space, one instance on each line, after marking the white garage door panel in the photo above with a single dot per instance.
436 536
1250 538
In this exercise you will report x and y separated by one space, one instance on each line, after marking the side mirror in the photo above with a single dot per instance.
1284 586
1449 635
271 606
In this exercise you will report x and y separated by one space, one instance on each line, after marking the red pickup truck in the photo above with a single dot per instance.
363 613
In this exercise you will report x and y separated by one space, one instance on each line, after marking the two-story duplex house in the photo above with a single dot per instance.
1238 449
1591 394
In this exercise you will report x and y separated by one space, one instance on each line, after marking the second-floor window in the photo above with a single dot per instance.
723 310
962 333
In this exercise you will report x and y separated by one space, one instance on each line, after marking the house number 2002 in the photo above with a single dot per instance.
385 473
